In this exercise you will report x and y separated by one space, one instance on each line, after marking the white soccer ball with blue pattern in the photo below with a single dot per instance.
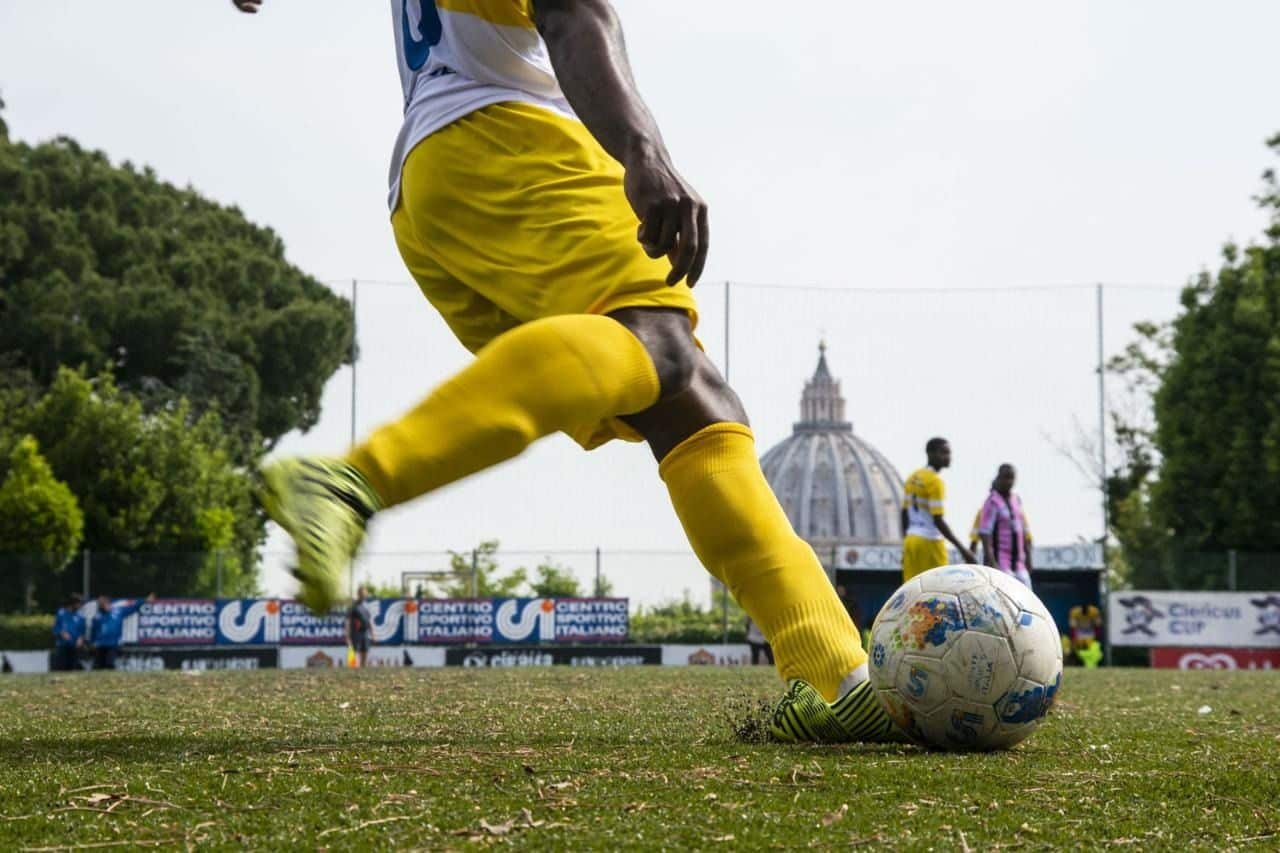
965 658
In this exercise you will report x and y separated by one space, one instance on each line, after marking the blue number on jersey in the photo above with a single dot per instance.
419 41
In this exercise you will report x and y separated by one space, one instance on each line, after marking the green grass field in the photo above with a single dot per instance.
607 759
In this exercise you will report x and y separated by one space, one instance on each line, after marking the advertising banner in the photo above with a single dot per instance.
382 657
523 656
1166 658
388 616
711 655
253 621
1238 620
1083 555
394 622
24 662
521 620
173 622
299 626
136 659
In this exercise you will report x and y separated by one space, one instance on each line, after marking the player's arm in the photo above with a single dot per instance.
945 530
906 520
584 39
988 550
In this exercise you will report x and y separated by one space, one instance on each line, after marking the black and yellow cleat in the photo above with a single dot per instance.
323 504
803 715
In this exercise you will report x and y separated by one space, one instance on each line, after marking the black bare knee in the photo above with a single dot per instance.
667 335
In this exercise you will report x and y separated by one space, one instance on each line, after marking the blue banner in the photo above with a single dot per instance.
394 621
299 626
173 622
521 620
248 621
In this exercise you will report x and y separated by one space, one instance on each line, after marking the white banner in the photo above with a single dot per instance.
332 657
711 655
20 662
1083 555
1241 620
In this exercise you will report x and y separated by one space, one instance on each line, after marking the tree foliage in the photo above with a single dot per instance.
40 524
160 493
480 574
109 268
1205 477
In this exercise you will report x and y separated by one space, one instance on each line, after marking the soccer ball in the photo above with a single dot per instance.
965 658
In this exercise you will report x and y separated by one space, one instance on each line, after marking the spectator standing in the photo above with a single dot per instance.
108 625
68 635
761 652
358 626
925 533
1006 538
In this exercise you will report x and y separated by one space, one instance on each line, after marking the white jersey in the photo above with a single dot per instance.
457 56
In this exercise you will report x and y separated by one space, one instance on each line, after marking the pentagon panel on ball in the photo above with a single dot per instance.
965 658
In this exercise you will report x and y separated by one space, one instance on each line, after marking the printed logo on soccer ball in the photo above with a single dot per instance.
965 658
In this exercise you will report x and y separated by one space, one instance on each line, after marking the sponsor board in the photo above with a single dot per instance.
19 663
1172 658
1199 619
380 657
149 659
521 620
1046 558
709 655
448 621
526 656
299 626
172 622
249 620
394 622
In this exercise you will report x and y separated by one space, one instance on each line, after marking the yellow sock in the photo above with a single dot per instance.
743 537
557 373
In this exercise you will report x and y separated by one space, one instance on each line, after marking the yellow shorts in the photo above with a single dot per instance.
514 213
921 555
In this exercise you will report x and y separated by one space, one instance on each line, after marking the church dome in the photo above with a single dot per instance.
835 487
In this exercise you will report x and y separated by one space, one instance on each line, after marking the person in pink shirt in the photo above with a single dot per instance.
1006 536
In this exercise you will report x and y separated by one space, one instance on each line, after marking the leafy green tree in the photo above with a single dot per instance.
478 575
109 268
40 525
555 581
686 622
165 507
1205 477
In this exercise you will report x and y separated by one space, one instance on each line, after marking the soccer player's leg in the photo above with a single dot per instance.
554 374
698 430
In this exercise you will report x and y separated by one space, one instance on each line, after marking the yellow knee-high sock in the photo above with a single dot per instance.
743 537
557 373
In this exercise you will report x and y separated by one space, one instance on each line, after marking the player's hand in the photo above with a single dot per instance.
967 556
673 217
250 6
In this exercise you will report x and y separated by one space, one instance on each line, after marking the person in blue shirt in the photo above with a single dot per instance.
68 635
108 624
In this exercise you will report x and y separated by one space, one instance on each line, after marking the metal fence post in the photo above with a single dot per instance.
1231 569
599 586
217 561
475 573
84 571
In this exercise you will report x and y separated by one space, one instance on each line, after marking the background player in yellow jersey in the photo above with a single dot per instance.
539 211
925 533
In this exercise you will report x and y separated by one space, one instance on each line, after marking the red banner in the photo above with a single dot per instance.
1180 658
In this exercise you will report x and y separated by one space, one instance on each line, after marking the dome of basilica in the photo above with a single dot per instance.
836 488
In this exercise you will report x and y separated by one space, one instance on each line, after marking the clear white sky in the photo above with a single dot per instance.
893 146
